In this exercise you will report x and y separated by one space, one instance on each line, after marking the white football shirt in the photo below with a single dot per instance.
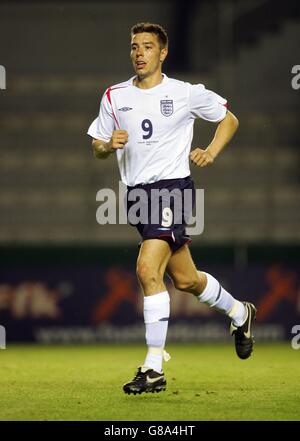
159 122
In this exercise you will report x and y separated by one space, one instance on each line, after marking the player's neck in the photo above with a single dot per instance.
148 82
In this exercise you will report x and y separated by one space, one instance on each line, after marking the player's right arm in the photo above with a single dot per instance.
117 141
105 130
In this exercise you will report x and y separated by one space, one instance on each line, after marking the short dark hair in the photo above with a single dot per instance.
153 29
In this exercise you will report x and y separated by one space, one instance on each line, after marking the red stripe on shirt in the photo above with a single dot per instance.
107 93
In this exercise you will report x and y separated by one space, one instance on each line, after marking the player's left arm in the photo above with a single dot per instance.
224 133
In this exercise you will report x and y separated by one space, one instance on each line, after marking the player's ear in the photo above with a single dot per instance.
163 54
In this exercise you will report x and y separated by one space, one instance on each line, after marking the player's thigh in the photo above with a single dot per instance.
182 269
153 257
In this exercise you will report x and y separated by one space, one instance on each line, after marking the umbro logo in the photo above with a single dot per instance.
125 109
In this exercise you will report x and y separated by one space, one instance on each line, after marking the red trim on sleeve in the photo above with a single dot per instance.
107 93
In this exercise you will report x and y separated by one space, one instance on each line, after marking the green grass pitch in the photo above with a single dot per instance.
204 382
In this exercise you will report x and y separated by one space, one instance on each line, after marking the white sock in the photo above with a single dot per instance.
218 298
156 316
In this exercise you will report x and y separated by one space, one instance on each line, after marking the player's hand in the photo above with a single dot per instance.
201 157
118 140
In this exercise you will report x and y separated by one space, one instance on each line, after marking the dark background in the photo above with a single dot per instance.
64 274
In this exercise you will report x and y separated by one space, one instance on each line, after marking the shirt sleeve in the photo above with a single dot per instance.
103 126
205 104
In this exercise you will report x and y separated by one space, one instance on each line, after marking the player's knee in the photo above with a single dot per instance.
142 270
146 273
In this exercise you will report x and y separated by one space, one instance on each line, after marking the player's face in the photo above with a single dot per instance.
146 54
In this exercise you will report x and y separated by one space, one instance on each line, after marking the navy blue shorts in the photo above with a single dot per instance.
160 211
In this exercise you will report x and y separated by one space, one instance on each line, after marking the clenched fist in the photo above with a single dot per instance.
202 158
118 140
